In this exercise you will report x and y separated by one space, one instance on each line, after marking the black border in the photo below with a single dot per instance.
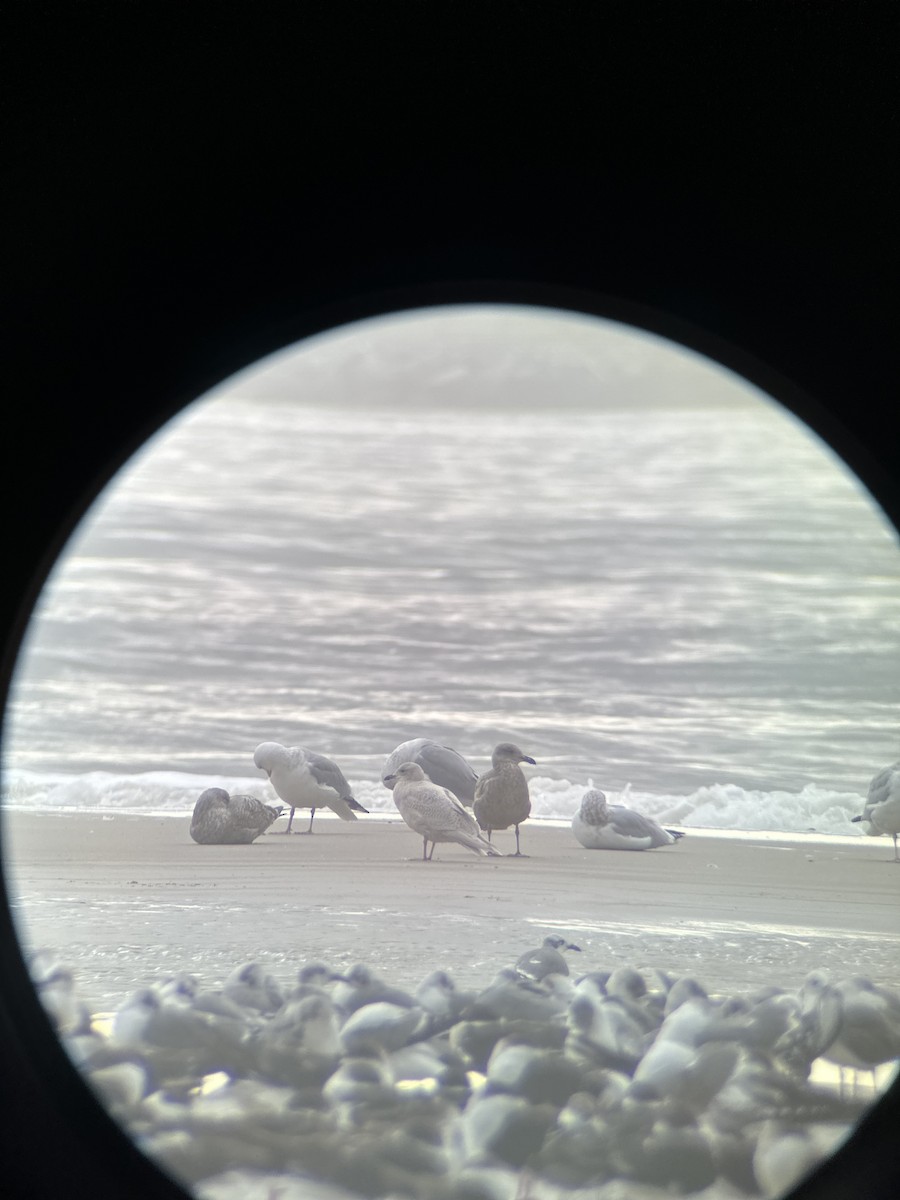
185 190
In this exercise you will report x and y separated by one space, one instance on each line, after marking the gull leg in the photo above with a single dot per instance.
896 855
424 849
431 852
290 822
518 853
309 829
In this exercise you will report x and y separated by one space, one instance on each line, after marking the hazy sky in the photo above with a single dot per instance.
482 354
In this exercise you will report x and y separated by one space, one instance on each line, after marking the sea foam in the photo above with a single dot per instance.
723 806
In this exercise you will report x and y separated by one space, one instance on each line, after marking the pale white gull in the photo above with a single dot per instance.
883 804
223 820
304 779
443 765
501 794
435 813
601 826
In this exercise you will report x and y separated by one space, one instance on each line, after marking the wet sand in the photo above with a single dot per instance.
123 898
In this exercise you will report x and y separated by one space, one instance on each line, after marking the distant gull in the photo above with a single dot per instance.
434 812
546 959
304 779
501 794
883 804
601 826
444 766
223 820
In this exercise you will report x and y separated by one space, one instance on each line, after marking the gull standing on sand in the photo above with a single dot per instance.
434 812
601 826
444 766
304 779
501 794
883 804
223 820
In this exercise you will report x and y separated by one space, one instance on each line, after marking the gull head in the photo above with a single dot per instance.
409 771
268 755
510 752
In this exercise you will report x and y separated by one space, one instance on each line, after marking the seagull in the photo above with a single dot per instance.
250 986
361 986
442 765
512 997
223 820
787 1152
883 804
869 1030
501 794
601 826
434 812
379 1026
304 779
546 959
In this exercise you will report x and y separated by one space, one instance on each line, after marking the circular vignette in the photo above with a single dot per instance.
100 1157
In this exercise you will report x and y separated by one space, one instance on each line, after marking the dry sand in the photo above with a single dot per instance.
123 898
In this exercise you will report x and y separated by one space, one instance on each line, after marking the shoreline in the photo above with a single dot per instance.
706 831
123 899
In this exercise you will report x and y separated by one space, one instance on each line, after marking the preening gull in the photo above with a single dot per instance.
883 804
434 812
223 820
501 794
304 779
442 765
601 826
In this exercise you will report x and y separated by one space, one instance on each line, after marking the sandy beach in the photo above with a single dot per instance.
124 898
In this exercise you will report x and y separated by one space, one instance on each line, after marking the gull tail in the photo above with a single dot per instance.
675 833
355 804
479 845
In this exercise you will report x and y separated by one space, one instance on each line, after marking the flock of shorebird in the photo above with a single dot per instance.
539 1084
437 792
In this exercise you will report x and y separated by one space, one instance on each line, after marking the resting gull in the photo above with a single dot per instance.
501 794
442 765
434 812
304 779
601 826
883 804
546 959
223 820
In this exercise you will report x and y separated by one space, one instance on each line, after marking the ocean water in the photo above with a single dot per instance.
694 605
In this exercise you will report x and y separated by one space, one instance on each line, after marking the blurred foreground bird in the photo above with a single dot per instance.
447 1097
